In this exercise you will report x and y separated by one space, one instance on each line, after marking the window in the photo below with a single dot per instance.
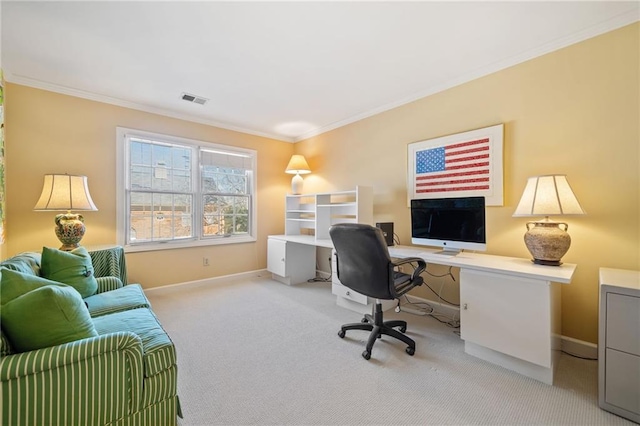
175 192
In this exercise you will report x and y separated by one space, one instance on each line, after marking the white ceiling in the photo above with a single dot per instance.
286 70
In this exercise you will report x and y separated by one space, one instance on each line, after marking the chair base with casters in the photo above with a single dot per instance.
377 326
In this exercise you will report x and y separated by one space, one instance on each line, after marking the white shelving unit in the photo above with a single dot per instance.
309 217
314 214
300 211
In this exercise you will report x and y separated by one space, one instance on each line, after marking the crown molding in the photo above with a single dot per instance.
43 85
619 21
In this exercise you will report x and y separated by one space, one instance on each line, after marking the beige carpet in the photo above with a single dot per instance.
255 351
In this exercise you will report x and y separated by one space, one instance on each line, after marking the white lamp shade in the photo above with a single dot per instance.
65 193
298 165
549 195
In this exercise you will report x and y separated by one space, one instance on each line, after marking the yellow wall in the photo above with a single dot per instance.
574 111
48 132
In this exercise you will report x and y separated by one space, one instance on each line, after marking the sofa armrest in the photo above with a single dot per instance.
102 374
108 284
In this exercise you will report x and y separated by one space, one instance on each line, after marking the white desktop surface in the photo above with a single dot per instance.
483 262
620 278
488 262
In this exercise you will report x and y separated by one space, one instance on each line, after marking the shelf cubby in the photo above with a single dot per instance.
316 213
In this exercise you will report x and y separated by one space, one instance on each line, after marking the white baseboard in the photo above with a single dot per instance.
260 273
579 348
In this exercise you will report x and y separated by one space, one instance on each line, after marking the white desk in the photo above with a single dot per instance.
509 307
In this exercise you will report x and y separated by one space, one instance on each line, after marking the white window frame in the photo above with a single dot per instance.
123 186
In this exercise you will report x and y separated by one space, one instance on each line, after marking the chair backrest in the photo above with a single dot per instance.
363 262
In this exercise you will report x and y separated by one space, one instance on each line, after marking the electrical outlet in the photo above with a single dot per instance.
205 261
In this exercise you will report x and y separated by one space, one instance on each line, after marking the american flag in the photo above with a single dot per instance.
462 166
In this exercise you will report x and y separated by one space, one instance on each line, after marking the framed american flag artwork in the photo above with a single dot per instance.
460 165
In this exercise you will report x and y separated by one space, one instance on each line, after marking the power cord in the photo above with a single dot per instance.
578 356
439 294
425 309
320 279
448 274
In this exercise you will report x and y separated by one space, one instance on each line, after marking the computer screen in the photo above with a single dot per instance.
451 223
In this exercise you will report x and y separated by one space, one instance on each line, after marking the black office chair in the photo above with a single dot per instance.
364 265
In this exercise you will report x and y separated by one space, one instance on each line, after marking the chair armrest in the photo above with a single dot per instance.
418 264
103 375
108 284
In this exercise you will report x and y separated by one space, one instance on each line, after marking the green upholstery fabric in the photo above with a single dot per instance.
163 386
159 352
5 345
14 284
28 263
44 317
109 261
108 283
92 381
162 413
121 299
110 379
70 267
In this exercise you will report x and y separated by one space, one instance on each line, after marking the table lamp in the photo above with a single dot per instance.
297 166
66 193
548 195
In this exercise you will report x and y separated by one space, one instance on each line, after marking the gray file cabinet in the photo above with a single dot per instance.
619 343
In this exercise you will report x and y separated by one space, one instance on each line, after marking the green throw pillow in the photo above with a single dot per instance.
48 316
70 267
14 284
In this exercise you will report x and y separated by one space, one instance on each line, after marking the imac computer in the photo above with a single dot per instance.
455 224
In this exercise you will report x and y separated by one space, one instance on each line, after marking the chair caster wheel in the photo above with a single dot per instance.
366 355
341 333
410 350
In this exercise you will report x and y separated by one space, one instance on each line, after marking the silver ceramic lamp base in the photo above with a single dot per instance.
547 241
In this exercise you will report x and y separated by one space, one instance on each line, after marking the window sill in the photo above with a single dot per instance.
135 248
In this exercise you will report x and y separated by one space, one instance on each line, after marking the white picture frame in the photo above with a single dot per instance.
461 165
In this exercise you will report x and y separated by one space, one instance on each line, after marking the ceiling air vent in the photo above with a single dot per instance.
193 98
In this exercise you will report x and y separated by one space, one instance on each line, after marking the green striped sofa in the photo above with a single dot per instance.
127 375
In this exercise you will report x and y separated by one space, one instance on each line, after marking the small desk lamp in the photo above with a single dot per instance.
66 192
297 166
548 195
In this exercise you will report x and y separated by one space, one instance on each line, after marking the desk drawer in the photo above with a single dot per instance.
623 323
622 382
342 291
